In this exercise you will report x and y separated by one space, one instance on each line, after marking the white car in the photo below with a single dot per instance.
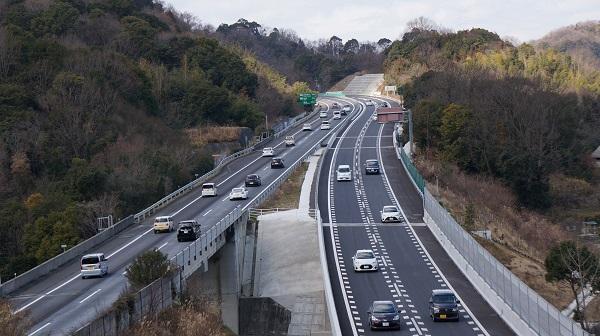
390 213
370 103
325 125
268 151
289 141
209 189
93 265
238 193
322 114
364 260
306 127
337 115
375 116
163 224
343 173
347 108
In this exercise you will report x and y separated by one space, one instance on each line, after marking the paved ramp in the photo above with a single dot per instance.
364 85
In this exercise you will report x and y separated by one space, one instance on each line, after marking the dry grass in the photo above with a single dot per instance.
213 134
521 238
288 195
341 85
13 324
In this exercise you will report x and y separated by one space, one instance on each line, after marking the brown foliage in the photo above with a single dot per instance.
12 324
213 134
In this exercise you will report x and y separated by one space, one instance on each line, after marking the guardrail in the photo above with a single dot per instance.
140 216
479 266
51 264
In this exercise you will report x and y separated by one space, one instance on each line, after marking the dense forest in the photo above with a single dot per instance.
320 63
97 99
519 114
581 41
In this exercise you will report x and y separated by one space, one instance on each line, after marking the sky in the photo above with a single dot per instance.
370 20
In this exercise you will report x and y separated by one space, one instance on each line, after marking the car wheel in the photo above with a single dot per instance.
83 278
155 231
179 239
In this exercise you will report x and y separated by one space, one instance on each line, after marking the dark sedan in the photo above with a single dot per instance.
443 305
253 180
277 163
384 315
188 231
371 167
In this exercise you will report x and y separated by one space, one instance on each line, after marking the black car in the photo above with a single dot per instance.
343 113
188 231
384 315
277 163
371 167
443 305
253 180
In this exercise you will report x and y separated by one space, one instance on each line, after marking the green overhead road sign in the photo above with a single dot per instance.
307 98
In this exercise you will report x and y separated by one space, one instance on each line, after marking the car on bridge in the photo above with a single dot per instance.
290 141
384 315
364 260
277 163
163 224
325 125
307 127
209 189
343 173
337 115
240 193
188 230
268 151
253 180
390 213
93 265
347 108
443 305
322 114
371 167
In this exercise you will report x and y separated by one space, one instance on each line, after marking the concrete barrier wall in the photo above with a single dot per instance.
71 254
263 316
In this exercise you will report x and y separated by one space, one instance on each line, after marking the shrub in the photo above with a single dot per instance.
146 268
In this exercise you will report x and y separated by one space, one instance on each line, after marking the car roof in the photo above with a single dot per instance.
384 302
276 158
371 160
162 217
344 166
441 291
188 221
364 251
267 148
252 175
205 184
92 255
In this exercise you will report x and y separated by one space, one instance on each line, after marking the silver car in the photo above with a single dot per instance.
93 265
390 213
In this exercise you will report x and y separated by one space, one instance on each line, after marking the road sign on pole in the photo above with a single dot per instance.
307 98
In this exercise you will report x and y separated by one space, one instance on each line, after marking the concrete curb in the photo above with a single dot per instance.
506 313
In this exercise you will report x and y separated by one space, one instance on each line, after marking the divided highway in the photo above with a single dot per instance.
407 273
62 301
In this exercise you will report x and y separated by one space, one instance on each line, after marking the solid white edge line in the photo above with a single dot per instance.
463 303
38 330
329 178
89 296
161 246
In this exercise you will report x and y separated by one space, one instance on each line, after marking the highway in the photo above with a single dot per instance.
62 302
410 260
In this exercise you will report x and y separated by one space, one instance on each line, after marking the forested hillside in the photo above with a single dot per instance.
516 113
321 63
581 41
97 99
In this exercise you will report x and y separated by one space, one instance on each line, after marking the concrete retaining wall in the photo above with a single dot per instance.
263 316
71 254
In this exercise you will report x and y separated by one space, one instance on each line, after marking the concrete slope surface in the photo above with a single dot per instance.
409 267
62 301
364 85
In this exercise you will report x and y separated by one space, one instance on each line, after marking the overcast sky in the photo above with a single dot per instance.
373 19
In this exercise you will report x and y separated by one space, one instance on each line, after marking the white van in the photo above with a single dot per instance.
209 189
325 125
93 265
163 223
343 173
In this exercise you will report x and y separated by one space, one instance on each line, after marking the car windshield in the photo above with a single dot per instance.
252 177
390 209
268 149
207 186
237 190
344 170
161 220
383 308
365 255
90 260
372 163
444 298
